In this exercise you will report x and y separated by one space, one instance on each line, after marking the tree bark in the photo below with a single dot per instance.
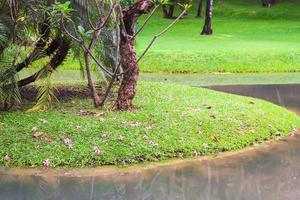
207 29
199 10
127 90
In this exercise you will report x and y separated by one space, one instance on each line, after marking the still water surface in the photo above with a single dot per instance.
271 172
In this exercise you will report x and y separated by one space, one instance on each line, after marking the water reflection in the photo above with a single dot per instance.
284 95
271 172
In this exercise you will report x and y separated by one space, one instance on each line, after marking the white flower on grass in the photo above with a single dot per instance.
195 153
34 128
121 138
152 144
70 146
68 142
6 157
205 145
97 151
78 127
46 163
146 137
101 119
104 136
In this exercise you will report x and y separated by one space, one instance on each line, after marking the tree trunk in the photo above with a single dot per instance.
207 29
127 90
199 10
129 63
91 85
168 11
165 11
268 3
171 11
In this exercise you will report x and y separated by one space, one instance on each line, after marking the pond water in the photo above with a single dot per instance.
268 172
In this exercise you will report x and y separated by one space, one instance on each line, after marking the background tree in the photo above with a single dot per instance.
207 28
199 8
268 3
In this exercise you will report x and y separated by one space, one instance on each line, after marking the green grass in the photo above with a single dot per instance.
169 115
247 38
196 79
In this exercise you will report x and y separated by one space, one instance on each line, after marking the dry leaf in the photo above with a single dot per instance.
37 135
48 139
85 113
98 114
44 121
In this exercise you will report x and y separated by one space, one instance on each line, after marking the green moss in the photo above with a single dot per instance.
181 120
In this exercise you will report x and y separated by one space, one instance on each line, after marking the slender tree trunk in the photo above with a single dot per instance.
165 11
207 29
171 11
129 63
199 10
91 85
87 56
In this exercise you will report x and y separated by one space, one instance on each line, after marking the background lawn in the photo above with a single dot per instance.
247 38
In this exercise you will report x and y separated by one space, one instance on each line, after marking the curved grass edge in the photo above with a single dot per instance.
108 171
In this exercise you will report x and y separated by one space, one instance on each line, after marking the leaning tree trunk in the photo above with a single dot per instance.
207 29
57 59
129 63
199 10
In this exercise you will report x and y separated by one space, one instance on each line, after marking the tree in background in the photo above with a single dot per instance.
207 28
168 10
268 3
199 8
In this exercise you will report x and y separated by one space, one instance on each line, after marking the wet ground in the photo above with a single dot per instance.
269 172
